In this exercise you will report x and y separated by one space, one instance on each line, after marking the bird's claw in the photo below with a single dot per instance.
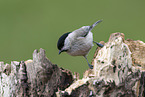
99 44
91 66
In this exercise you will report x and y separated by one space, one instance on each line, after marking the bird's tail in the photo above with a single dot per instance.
92 26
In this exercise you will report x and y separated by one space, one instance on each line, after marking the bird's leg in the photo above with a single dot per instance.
91 66
99 44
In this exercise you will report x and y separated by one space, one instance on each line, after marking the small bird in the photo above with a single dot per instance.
78 42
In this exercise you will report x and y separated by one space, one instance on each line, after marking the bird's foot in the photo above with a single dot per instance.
99 44
91 66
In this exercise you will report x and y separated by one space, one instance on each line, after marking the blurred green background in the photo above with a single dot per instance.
29 25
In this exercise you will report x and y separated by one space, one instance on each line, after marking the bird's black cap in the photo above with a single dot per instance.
61 40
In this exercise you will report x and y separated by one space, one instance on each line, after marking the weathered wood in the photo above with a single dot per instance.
119 71
114 73
37 77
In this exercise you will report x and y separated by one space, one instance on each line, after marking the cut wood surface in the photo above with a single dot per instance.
119 71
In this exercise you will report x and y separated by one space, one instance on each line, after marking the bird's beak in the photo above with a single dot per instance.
59 52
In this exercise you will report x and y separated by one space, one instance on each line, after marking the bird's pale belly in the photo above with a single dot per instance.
81 46
80 50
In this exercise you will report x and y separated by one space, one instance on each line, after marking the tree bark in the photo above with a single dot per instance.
119 71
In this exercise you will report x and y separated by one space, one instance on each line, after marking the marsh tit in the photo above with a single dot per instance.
78 42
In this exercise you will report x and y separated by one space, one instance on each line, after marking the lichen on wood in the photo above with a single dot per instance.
114 74
119 71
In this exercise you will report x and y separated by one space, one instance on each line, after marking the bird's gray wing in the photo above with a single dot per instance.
83 31
86 29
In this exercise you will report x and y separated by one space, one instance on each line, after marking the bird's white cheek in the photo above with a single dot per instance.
89 38
68 41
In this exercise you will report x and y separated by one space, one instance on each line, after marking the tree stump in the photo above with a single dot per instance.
119 71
